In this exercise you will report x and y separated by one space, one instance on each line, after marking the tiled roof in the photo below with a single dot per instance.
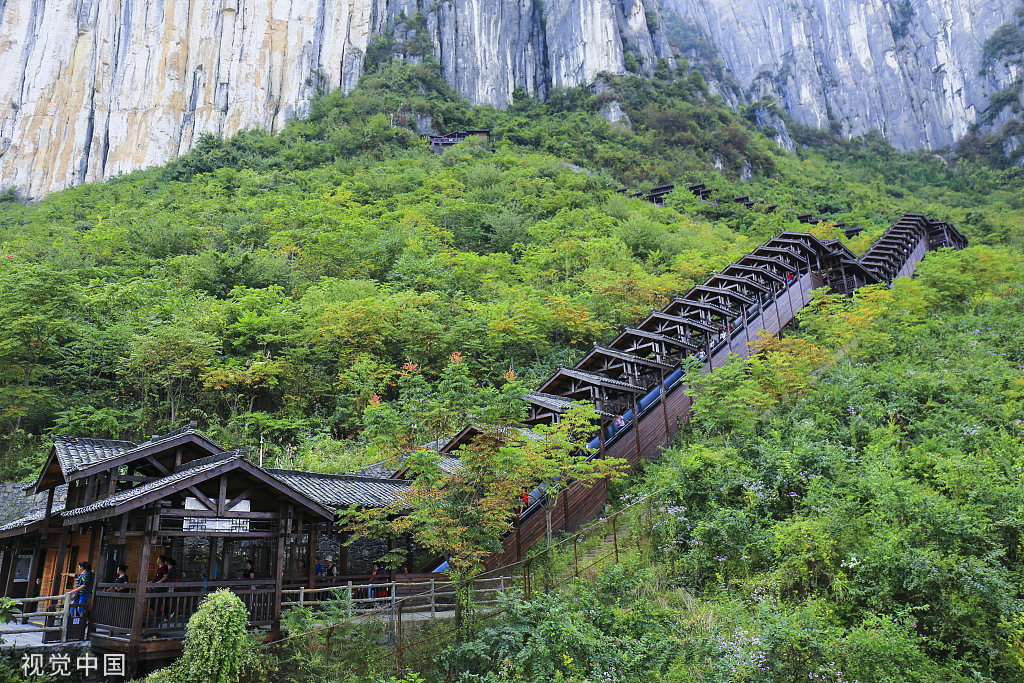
448 464
204 465
23 521
76 454
34 508
378 470
596 378
337 491
554 402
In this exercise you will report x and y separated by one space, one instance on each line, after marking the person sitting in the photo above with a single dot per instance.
84 580
122 577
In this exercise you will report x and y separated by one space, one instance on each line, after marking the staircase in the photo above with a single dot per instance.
638 374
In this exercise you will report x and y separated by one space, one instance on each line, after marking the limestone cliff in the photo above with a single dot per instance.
913 69
93 88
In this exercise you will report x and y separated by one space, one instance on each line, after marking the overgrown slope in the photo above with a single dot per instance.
272 284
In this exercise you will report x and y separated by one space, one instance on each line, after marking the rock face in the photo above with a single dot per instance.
93 88
907 68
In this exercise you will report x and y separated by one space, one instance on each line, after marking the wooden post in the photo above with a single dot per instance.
664 402
746 329
636 428
778 316
48 512
615 540
101 558
225 560
519 552
65 618
279 572
433 599
8 588
342 553
139 612
398 628
311 554
211 562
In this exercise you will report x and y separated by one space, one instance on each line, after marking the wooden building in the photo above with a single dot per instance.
182 496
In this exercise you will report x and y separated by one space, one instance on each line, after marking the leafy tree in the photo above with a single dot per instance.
558 457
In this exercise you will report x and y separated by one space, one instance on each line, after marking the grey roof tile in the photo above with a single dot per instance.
34 508
204 465
76 454
339 491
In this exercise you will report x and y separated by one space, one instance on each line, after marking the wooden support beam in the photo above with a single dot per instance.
123 534
139 610
278 575
244 495
203 498
58 567
311 554
9 584
222 497
156 463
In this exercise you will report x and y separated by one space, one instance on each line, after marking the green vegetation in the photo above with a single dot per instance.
866 528
846 506
217 647
270 285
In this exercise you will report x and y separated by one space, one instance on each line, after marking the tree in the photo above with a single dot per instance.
558 457
174 354
36 309
728 399
463 514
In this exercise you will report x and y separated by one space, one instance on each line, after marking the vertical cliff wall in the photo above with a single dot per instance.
911 69
93 88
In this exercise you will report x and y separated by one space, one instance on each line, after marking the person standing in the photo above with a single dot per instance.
84 580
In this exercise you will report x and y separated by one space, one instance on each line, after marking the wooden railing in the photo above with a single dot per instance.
54 614
169 611
431 595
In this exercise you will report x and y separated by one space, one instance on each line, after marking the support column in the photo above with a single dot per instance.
9 584
664 401
342 562
636 428
279 571
311 556
58 567
139 613
746 328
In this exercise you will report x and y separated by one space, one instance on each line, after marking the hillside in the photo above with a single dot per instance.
860 523
270 285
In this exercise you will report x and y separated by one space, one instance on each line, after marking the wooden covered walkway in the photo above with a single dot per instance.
764 290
